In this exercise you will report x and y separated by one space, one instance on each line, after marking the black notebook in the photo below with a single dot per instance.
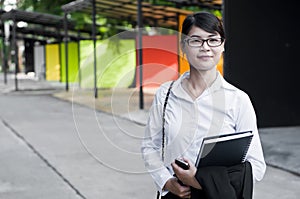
224 150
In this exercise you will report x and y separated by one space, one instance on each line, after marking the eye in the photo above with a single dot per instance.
195 41
213 40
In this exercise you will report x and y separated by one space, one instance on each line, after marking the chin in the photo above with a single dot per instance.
205 68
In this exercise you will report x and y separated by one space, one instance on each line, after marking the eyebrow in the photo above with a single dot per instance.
197 36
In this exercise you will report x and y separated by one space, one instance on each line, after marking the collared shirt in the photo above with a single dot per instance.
220 109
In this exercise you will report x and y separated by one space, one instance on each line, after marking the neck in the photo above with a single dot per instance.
202 79
198 81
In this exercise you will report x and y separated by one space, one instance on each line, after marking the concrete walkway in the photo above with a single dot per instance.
57 144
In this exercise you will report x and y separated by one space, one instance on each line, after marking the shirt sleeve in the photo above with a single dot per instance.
152 143
246 120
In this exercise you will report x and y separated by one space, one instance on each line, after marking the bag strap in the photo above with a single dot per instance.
163 128
163 123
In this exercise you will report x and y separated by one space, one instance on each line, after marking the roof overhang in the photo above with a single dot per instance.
35 18
41 24
153 15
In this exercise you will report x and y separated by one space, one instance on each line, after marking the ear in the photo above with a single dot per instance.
224 46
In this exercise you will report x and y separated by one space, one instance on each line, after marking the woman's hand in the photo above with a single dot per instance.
187 177
173 186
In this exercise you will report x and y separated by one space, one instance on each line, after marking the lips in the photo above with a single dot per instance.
204 57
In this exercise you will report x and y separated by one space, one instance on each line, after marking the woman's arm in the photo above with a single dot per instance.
152 142
246 120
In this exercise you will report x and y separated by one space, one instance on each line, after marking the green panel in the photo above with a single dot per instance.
87 64
116 63
72 62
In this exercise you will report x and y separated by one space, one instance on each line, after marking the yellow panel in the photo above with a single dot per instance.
52 62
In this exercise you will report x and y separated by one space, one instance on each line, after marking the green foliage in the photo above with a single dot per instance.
161 2
44 6
106 26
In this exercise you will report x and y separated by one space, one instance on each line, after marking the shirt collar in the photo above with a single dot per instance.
219 83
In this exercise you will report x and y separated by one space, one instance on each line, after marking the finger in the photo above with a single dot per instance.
184 188
173 164
186 194
175 167
187 160
192 166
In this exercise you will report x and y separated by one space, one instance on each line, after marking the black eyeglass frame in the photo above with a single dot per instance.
187 40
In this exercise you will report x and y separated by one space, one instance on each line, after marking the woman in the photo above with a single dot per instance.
200 103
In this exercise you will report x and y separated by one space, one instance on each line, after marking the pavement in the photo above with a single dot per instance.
68 144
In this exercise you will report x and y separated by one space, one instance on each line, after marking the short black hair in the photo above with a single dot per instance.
204 20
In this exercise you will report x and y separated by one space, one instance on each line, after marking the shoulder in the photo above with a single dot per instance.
162 91
236 95
234 89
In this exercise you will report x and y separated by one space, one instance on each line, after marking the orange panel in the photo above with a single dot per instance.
183 63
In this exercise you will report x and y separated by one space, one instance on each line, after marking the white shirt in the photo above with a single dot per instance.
220 109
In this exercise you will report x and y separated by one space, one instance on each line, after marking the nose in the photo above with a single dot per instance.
204 46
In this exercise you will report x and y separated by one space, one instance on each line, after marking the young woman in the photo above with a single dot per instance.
201 103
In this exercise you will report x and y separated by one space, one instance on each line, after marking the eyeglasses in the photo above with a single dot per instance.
211 42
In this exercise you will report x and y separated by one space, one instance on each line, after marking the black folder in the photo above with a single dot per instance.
224 150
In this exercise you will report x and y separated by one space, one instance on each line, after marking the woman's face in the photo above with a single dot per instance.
203 57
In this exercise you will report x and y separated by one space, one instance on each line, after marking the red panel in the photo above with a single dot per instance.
160 60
